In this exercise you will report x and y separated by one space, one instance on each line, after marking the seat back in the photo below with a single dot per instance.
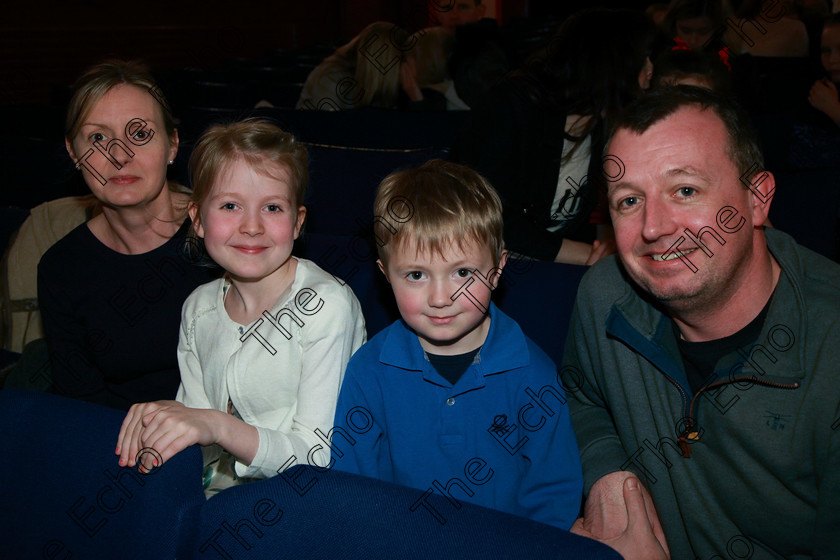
307 514
64 492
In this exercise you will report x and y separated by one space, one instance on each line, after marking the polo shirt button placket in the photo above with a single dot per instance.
450 401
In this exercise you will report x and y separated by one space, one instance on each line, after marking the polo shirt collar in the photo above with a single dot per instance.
504 348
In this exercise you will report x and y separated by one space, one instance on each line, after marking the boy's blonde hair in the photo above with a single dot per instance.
260 143
434 206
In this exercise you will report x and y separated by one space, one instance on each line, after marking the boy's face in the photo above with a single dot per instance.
444 300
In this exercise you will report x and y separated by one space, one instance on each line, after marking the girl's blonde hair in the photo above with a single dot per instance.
261 143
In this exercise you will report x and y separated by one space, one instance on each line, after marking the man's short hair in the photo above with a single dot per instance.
743 148
435 205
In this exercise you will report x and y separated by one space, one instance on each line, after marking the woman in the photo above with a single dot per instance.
364 72
111 290
538 135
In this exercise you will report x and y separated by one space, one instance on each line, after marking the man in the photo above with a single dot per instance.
463 11
703 358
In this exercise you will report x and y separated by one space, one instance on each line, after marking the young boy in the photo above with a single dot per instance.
454 398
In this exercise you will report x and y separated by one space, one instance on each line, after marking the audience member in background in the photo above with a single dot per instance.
479 61
695 22
824 96
691 68
538 135
463 11
363 73
771 29
111 289
424 75
256 391
657 13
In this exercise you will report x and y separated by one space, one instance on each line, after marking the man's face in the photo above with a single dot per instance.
464 11
677 175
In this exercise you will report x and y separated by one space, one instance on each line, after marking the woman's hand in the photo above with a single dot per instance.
408 79
824 97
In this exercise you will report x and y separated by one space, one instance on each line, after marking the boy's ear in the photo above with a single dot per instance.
496 273
195 217
383 269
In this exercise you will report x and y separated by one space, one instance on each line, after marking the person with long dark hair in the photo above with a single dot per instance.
538 135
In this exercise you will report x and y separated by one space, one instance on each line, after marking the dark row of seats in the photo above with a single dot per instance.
70 499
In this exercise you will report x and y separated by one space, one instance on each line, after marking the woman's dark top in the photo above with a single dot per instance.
518 147
111 320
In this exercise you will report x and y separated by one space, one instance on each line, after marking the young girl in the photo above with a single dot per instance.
262 350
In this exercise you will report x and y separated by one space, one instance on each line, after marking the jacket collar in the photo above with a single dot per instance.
636 320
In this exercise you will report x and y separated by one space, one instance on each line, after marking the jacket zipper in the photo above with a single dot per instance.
689 433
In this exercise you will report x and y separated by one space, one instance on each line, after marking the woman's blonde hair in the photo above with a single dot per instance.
432 47
261 143
377 77
100 79
434 206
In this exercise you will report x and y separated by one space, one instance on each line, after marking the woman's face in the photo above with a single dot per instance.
122 148
696 32
830 46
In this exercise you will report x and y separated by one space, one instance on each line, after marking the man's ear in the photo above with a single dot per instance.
195 217
301 217
383 269
762 189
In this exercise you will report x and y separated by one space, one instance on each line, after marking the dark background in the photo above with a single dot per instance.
44 47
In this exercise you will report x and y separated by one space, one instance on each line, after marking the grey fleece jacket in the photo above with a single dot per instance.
749 467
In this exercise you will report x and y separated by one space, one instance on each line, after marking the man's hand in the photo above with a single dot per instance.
620 513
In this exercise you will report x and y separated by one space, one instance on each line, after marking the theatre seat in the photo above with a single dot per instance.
65 496
325 515
806 205
343 183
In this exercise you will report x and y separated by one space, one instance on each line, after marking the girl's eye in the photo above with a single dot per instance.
273 208
464 273
97 137
141 134
415 275
229 206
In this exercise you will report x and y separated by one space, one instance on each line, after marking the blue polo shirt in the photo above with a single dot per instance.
501 437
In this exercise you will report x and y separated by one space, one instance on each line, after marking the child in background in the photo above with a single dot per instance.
458 399
262 351
823 95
